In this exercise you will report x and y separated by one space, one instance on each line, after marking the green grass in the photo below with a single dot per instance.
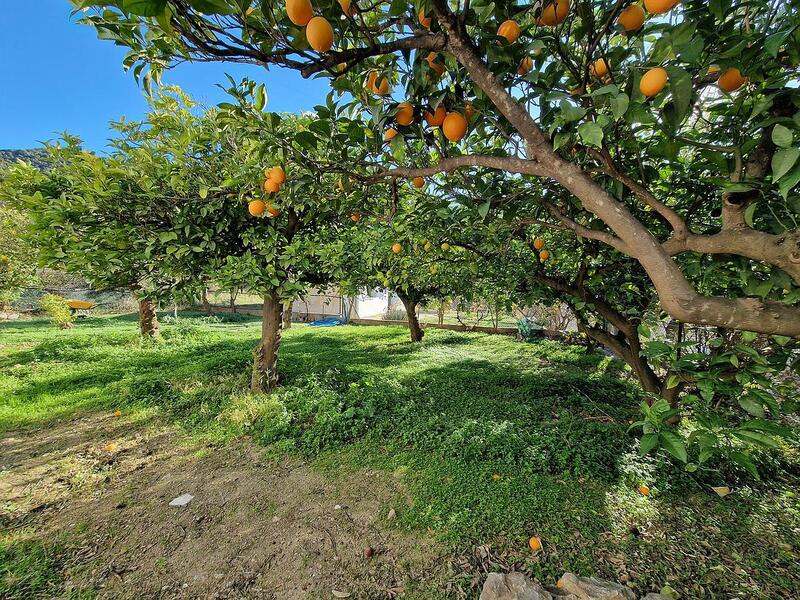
445 416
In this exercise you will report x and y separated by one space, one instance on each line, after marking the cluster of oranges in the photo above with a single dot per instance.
274 178
397 248
544 255
319 32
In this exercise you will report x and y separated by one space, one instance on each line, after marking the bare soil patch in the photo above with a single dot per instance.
255 528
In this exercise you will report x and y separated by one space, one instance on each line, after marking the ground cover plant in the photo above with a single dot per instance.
493 440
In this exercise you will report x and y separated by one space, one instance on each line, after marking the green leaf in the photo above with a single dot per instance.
673 381
672 443
782 161
591 133
781 136
570 112
744 461
789 181
757 438
145 8
203 193
680 85
483 209
751 405
619 105
648 442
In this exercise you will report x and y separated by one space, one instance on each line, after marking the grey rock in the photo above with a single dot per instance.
591 588
512 586
654 596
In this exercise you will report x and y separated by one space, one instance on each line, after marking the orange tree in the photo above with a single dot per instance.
607 105
186 197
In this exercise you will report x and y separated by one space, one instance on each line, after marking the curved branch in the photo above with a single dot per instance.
502 163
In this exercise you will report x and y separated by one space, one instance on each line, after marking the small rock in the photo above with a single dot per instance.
182 500
369 552
338 594
275 519
654 596
392 514
337 507
512 586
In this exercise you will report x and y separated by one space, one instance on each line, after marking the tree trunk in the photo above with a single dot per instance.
413 322
204 301
148 320
440 313
233 302
287 315
265 357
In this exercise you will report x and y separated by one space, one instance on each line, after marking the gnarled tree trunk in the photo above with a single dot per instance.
287 315
264 377
410 305
148 320
204 300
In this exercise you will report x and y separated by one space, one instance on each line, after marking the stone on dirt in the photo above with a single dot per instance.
517 586
182 500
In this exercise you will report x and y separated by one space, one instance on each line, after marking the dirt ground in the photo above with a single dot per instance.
255 528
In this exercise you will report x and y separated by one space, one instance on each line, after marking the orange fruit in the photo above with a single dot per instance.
535 543
347 9
257 207
659 7
388 136
445 247
538 243
525 66
277 174
599 68
644 490
544 255
271 186
436 66
319 34
355 217
405 113
537 51
731 80
632 18
110 447
436 118
397 248
713 69
377 84
554 13
423 20
497 477
454 126
653 82
418 182
273 212
117 413
341 185
509 30
299 11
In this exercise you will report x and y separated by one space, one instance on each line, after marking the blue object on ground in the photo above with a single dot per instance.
327 322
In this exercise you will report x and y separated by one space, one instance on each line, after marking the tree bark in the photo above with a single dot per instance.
287 315
148 319
440 313
204 300
264 377
413 322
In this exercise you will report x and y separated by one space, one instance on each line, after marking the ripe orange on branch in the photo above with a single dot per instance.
653 82
397 248
731 80
377 84
632 18
599 68
418 182
659 7
554 13
319 34
436 118
405 113
389 135
509 30
438 67
299 11
348 8
538 243
277 174
256 207
273 212
454 126
271 186
544 255
355 217
423 20
525 66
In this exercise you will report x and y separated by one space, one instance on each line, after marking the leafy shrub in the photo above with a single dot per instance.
56 309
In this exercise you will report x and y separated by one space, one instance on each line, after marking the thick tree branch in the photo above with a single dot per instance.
509 164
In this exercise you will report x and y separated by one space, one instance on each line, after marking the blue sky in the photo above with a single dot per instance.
56 75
